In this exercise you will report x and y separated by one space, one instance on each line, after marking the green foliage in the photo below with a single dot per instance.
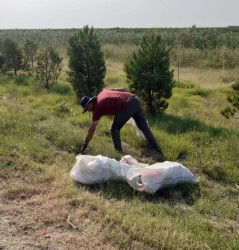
26 67
230 111
63 109
22 80
149 74
86 63
199 47
48 67
1 62
202 38
62 89
12 55
1 56
30 49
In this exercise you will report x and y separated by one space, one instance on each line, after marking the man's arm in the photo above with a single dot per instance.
90 132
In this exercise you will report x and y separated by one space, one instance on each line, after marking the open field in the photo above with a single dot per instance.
191 47
40 132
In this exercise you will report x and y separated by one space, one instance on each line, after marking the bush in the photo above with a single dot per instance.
22 80
62 89
233 99
63 109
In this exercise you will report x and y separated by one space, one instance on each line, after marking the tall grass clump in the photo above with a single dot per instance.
62 89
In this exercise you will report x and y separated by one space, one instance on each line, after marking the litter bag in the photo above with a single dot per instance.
90 169
142 177
138 131
152 178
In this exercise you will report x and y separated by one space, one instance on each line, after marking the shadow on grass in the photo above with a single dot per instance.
186 193
177 125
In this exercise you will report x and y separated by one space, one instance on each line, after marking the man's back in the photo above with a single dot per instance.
110 102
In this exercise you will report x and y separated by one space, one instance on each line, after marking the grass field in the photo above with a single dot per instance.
41 131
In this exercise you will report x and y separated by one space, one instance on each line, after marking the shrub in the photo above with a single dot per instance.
231 110
62 89
22 80
63 109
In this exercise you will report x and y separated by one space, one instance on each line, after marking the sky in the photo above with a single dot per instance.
53 14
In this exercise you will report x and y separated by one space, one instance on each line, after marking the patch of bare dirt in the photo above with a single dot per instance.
27 212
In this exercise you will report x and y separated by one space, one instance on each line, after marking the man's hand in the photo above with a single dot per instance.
90 132
83 148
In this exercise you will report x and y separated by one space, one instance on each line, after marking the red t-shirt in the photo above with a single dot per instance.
110 102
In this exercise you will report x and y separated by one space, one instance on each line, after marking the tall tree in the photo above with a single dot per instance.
1 62
149 74
12 55
48 67
231 110
1 56
86 63
30 49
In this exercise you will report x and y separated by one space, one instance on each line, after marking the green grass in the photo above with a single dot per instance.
47 128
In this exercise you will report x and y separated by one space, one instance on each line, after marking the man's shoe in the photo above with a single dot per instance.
119 151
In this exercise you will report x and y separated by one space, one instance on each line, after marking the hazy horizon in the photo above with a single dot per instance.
74 14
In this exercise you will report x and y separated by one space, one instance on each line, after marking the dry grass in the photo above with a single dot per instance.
28 210
207 78
114 68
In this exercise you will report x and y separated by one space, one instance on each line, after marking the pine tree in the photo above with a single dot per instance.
1 56
12 55
149 74
30 49
48 67
86 63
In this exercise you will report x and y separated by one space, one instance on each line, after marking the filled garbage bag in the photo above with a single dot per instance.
137 130
90 169
142 177
159 175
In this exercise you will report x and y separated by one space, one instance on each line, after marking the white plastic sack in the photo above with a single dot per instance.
90 169
138 131
159 175
128 159
142 177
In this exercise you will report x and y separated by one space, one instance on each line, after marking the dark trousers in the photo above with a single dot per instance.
134 110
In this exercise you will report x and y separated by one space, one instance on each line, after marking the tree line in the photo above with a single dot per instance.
194 37
148 72
13 58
